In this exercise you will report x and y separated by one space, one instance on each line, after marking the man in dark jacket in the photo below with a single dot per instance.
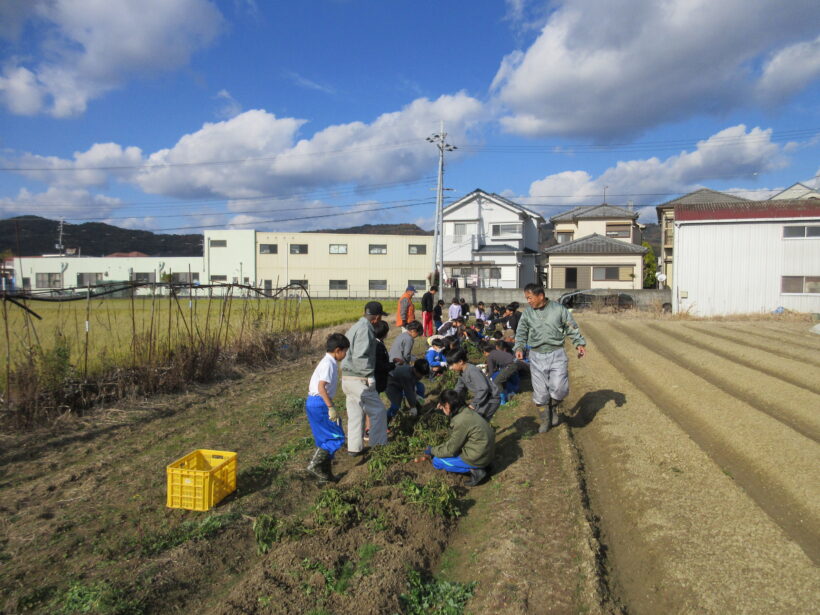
428 303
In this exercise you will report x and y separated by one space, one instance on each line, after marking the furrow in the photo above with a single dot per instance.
738 339
762 392
768 336
787 370
732 435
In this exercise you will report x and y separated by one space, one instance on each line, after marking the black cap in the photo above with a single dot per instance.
374 308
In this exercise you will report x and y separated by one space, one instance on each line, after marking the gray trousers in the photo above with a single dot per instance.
362 399
549 376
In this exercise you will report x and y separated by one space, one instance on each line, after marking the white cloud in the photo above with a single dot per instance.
390 149
308 84
601 70
230 106
58 202
789 70
94 167
90 47
730 153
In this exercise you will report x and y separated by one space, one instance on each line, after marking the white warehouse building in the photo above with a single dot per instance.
747 257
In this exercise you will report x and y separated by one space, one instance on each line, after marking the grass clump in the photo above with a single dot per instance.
100 598
338 579
189 530
431 596
436 497
337 507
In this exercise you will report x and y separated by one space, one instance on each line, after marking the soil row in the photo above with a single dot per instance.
701 483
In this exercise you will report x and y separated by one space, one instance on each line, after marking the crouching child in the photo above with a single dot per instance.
471 445
404 383
486 397
322 416
435 356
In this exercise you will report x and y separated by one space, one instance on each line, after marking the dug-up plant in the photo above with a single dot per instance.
431 596
100 597
337 507
436 497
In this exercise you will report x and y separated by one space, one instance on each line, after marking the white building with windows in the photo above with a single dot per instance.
491 242
344 264
747 257
230 256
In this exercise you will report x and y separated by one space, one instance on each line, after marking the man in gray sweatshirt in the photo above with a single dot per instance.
486 398
543 327
359 382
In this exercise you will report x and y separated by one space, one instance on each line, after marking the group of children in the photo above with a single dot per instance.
470 447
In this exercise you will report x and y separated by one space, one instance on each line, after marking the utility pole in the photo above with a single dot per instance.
440 141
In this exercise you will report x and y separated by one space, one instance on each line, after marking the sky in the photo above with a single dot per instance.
180 115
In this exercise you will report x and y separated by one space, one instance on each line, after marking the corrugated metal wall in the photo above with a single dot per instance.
736 268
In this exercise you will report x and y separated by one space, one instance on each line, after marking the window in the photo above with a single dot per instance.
377 285
144 277
302 282
605 273
338 284
564 237
267 284
298 248
49 280
618 230
417 248
461 272
218 243
800 232
268 248
490 273
27 283
800 284
378 248
338 248
217 279
183 278
89 279
419 284
499 230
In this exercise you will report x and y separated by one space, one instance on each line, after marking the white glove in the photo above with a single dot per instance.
332 414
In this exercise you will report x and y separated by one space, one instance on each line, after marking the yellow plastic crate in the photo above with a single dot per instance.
201 479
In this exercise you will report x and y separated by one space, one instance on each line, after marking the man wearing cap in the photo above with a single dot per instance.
359 382
405 312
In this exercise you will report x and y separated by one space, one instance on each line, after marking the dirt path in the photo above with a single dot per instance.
706 503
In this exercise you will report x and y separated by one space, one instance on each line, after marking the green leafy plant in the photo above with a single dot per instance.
431 596
436 497
337 507
267 530
100 598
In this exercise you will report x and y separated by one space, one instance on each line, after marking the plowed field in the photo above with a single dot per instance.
706 477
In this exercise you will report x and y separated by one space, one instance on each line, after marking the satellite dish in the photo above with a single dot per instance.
661 277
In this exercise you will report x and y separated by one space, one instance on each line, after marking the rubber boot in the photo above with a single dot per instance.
327 467
546 420
317 465
477 475
556 417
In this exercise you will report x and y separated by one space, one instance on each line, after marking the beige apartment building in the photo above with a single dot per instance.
344 264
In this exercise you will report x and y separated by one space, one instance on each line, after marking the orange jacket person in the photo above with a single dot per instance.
405 311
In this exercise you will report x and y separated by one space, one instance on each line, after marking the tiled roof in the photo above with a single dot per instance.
749 210
497 197
704 195
594 211
596 244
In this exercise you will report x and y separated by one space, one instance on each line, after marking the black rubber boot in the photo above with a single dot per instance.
546 420
477 475
317 465
327 467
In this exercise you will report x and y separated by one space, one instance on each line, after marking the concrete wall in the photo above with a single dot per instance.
642 297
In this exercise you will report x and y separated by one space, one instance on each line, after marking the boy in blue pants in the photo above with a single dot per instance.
322 416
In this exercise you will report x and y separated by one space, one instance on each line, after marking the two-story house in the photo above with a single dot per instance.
666 220
491 242
598 247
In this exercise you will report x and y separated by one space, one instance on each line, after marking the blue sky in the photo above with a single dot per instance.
175 115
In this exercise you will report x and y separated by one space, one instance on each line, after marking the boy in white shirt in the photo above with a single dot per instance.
322 416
